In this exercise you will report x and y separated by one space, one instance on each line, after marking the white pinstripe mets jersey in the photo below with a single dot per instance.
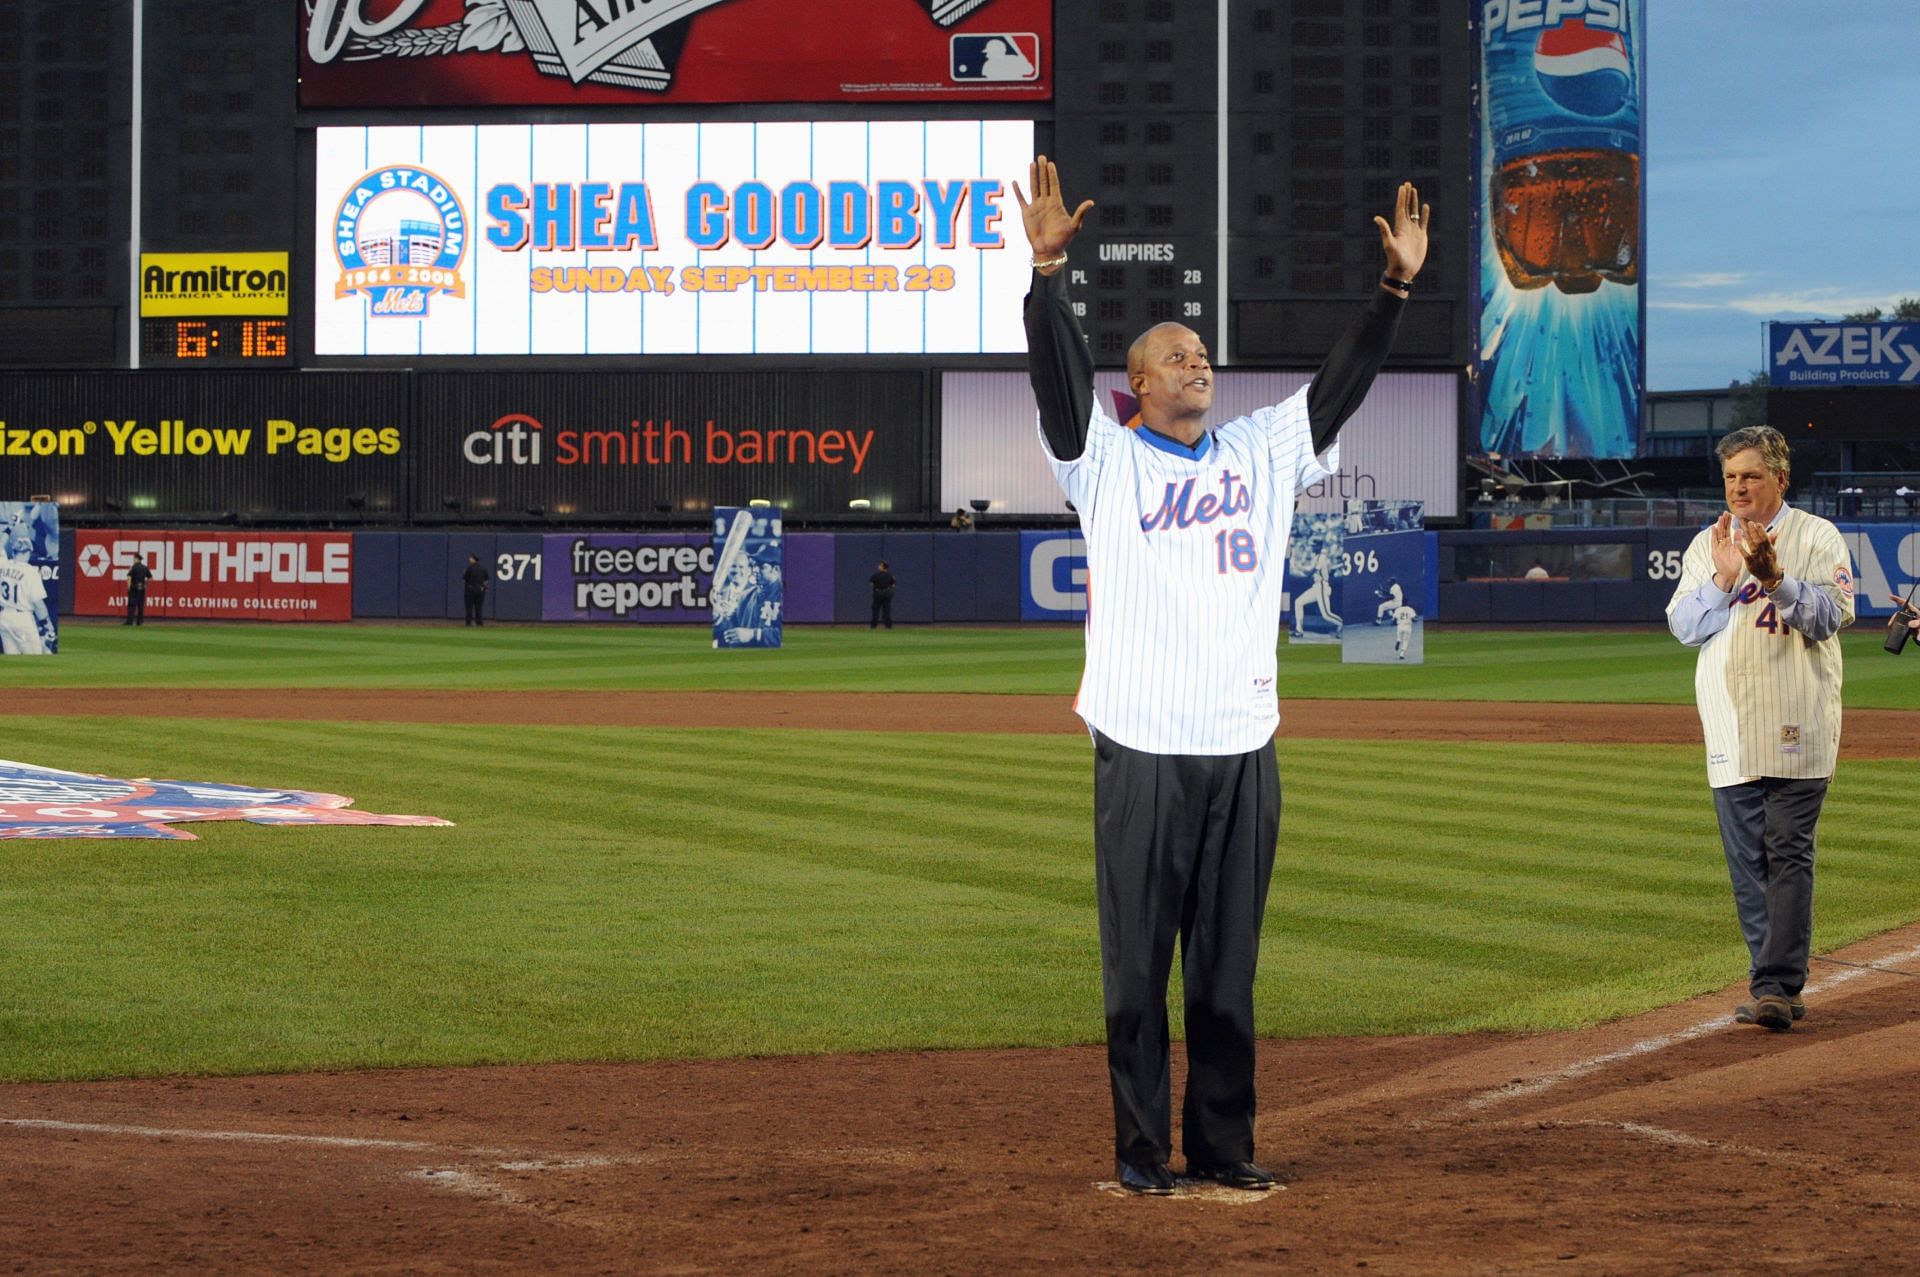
1767 680
1186 565
20 589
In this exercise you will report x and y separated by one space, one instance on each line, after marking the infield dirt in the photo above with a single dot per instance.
1673 1142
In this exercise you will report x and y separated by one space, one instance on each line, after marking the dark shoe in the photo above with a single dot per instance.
1233 1175
1796 1007
1150 1181
1773 1012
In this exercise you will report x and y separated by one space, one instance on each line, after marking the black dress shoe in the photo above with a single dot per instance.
1153 1181
1233 1175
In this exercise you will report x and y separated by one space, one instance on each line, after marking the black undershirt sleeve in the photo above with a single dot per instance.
1343 380
1059 365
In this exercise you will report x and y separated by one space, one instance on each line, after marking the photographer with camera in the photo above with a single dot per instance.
1764 593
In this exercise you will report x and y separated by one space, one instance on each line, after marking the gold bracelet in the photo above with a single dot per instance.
1051 261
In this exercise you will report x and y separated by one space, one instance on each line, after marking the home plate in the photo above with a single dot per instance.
1196 1190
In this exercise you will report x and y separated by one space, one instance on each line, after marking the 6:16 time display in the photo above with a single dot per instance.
214 341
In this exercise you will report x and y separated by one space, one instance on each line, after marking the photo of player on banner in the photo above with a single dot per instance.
1384 587
747 586
1313 567
29 578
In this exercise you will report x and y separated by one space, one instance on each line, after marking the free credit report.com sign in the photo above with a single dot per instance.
897 237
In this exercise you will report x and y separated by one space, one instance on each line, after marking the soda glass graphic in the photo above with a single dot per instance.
1564 194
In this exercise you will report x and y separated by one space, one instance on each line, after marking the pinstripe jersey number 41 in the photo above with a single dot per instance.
1768 619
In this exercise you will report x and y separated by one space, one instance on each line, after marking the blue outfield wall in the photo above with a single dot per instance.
1002 578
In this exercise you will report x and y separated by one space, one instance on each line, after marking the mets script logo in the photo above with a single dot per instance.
400 235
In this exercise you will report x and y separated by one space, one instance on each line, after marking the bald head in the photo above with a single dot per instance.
1172 380
1141 351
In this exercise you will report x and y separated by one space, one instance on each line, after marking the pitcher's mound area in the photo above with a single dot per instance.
1675 1142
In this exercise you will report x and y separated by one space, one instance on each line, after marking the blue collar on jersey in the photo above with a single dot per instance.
1173 447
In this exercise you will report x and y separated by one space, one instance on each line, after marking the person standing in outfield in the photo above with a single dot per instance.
473 583
1186 531
25 624
137 577
883 586
1403 630
1764 593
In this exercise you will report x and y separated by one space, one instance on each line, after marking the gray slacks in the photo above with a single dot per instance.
1766 828
1183 847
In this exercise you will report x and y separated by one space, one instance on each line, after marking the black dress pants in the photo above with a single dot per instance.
882 611
1183 846
475 600
136 608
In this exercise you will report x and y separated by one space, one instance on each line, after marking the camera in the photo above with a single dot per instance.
1897 631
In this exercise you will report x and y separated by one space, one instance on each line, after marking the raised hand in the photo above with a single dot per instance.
1727 558
1405 242
1050 228
1756 547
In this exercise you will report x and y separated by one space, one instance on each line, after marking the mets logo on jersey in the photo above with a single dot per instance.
400 235
1844 579
1584 70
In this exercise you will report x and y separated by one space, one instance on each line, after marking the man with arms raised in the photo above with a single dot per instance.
1764 593
1186 532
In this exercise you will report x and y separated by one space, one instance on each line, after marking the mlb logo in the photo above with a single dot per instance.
996 56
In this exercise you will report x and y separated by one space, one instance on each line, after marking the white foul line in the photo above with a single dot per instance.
243 1137
1580 1068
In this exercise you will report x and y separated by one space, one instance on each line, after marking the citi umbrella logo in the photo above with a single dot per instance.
400 235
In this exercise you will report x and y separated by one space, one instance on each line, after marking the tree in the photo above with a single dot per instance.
1908 308
1749 401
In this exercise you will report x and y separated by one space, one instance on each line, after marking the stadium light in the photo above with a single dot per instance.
859 503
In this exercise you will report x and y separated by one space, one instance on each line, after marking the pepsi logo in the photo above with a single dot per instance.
1584 70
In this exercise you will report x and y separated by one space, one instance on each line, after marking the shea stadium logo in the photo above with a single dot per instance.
400 235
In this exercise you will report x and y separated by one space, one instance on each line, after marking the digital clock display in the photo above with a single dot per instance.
228 342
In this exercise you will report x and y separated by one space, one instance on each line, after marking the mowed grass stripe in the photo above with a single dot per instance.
1643 665
627 894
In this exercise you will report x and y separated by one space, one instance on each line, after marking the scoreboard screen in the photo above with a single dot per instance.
233 341
856 237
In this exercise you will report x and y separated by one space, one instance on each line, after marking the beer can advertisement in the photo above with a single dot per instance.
800 237
407 53
1559 306
241 576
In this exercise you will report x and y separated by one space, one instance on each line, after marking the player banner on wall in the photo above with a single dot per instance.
402 53
746 597
849 237
1313 571
29 578
1558 307
1384 588
45 802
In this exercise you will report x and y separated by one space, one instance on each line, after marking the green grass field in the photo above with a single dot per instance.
626 894
1634 666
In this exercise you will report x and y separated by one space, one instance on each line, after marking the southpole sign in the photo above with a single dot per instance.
266 576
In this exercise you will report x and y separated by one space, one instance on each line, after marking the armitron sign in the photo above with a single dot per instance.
260 576
213 284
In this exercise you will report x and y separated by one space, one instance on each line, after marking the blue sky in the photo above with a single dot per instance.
1782 171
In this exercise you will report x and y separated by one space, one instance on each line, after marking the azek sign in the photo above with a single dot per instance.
1844 355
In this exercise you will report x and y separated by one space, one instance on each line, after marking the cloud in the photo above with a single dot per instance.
1824 302
1704 279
